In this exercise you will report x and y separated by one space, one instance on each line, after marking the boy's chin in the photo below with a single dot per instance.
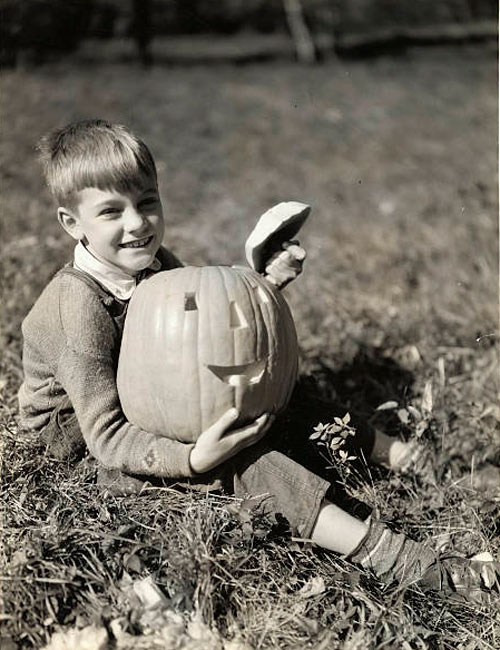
134 267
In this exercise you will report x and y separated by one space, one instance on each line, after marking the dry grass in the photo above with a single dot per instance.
398 158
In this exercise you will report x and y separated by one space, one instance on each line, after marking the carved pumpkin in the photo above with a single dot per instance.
200 340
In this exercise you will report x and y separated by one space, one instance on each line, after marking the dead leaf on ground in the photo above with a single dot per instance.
89 638
313 587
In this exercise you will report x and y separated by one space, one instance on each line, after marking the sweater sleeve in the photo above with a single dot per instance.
87 372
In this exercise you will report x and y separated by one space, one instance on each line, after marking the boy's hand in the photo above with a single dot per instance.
286 265
218 443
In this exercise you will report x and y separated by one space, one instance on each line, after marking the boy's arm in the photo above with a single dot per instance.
86 370
90 384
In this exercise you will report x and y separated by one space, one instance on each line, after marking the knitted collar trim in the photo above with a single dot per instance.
119 283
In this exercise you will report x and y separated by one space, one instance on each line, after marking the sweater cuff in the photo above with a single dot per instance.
173 459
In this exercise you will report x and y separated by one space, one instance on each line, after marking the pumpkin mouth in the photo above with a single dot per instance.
242 375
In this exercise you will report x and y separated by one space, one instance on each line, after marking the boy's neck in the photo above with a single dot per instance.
117 281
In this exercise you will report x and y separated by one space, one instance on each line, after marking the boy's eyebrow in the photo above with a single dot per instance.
99 204
116 199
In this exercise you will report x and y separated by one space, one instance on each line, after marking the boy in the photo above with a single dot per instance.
105 181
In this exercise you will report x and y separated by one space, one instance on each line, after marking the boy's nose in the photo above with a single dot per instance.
133 220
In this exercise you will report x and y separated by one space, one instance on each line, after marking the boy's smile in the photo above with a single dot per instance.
138 243
122 228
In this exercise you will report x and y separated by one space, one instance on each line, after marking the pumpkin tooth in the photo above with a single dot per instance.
242 375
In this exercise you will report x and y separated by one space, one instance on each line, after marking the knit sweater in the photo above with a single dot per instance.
72 341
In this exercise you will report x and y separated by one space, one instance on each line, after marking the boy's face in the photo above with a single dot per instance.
125 229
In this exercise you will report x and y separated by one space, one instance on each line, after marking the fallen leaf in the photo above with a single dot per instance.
484 556
414 412
387 406
441 371
313 587
89 638
403 416
149 594
132 562
486 479
203 636
427 397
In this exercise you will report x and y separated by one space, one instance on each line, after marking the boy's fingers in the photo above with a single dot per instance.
257 428
260 423
249 439
265 421
283 263
272 280
291 256
293 247
226 420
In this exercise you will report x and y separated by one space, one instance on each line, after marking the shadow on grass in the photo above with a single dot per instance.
357 388
362 384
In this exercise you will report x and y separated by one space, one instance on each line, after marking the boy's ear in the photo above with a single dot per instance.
70 222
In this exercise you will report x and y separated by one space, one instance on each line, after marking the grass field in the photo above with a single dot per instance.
398 301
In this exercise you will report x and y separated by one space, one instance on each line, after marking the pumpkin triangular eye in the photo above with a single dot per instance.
190 301
236 318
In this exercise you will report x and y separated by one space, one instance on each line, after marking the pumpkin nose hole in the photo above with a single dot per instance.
190 302
236 318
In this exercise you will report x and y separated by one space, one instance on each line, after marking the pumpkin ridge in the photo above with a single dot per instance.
198 426
251 300
266 312
205 342
258 313
225 276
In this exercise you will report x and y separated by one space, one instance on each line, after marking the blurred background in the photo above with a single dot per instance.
380 114
37 30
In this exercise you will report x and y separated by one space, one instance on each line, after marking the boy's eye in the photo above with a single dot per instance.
152 200
109 211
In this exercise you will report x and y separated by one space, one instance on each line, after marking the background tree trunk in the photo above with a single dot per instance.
304 44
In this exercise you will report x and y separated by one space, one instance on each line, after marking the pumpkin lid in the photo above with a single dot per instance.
276 226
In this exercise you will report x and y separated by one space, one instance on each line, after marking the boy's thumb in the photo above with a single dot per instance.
230 416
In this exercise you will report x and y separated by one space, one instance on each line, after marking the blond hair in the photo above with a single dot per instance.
93 153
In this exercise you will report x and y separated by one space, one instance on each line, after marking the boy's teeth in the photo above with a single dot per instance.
137 244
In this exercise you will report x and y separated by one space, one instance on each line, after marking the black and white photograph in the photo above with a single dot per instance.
249 325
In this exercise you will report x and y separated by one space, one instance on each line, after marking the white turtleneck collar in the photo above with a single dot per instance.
117 281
